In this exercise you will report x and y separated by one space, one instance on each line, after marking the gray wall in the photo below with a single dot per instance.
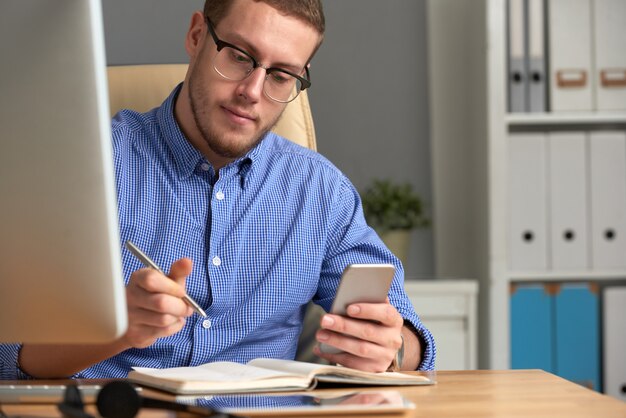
369 93
370 100
147 31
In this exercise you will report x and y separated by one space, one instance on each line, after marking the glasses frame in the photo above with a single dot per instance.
305 82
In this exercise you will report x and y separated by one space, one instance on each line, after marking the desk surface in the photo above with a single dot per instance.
506 393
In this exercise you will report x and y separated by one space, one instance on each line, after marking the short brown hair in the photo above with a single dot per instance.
309 11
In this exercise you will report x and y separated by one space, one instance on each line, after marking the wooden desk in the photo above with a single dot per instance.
507 393
510 393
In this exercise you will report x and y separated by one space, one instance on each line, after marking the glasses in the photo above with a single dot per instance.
233 63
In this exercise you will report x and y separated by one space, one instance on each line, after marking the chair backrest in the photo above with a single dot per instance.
143 87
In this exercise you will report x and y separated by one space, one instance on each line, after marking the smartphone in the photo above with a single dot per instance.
367 283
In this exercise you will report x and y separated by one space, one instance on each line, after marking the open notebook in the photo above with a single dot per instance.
263 375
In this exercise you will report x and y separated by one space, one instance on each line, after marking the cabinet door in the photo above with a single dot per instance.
448 309
532 327
607 151
451 339
577 334
610 54
614 341
569 29
518 74
568 200
446 316
527 183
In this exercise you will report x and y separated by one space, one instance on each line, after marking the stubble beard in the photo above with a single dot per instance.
199 100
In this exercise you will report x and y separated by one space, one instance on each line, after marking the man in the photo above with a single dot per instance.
269 225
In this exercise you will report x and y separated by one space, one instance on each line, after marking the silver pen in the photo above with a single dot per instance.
149 263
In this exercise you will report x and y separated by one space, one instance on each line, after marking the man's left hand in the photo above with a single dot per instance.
369 336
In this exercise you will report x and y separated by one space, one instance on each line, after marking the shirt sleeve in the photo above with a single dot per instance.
9 365
352 241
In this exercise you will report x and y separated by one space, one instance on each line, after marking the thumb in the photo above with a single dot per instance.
180 269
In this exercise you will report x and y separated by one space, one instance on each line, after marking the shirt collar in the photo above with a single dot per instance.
246 165
187 157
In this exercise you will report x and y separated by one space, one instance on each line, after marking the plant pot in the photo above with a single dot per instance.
398 242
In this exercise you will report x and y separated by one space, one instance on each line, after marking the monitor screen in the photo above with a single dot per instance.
60 267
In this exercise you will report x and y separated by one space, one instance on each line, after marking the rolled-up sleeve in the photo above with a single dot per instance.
427 341
9 364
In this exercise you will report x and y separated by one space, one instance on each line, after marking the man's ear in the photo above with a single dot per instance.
195 35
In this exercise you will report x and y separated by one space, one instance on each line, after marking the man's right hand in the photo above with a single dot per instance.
155 309
155 305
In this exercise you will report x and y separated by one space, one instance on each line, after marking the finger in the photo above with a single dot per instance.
151 290
180 269
355 362
154 319
365 330
384 313
367 398
152 281
162 303
355 346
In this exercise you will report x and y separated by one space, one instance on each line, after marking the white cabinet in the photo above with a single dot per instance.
448 309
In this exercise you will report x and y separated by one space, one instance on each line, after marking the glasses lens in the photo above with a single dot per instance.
233 64
281 86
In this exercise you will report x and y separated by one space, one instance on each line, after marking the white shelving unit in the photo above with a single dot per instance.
569 119
469 130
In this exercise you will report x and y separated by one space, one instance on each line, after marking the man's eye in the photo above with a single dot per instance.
239 57
280 78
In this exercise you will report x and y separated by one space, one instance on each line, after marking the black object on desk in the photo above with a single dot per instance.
120 399
72 405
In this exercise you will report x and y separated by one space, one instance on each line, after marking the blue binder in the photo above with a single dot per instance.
577 334
532 328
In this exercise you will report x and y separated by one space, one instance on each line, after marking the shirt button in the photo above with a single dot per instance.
206 324
205 166
216 261
219 195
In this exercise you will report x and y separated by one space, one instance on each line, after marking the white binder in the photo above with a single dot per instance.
568 200
536 56
610 54
527 183
607 152
570 38
518 77
614 341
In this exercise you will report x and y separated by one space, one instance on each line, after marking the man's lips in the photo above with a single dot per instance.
239 116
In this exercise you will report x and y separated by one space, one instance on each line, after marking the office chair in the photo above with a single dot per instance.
143 87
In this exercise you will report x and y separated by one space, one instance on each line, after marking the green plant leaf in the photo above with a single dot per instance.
388 206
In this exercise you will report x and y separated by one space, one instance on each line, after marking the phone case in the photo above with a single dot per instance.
365 283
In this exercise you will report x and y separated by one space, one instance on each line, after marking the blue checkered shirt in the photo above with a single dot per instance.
273 231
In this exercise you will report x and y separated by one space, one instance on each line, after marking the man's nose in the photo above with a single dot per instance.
252 86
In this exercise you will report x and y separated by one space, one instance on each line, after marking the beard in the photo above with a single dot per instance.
228 143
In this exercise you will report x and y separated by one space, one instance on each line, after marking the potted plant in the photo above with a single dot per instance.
394 210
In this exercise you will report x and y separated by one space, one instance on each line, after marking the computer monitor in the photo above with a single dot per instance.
60 267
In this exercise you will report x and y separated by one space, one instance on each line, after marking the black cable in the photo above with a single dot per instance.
119 399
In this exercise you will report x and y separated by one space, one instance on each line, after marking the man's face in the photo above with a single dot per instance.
232 116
